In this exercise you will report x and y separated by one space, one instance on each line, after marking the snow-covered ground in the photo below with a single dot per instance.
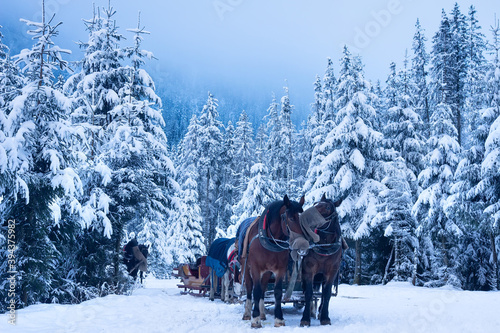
159 307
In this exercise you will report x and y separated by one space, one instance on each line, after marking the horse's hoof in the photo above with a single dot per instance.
262 316
304 323
279 322
256 323
326 322
246 317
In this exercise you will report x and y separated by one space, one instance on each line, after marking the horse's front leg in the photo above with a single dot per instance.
248 303
225 285
308 293
278 293
325 302
257 297
213 284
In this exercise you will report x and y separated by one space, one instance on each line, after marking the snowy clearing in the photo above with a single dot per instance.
159 307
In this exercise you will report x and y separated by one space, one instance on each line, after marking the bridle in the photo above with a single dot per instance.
325 227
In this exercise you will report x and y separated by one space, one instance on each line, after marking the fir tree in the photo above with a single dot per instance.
244 149
273 146
402 122
210 143
42 156
258 194
329 90
185 240
438 231
231 176
420 61
488 186
399 224
284 167
474 81
143 179
349 170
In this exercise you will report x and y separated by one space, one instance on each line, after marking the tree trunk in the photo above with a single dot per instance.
397 262
414 273
357 268
446 261
384 280
495 260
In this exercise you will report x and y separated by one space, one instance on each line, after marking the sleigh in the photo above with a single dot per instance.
195 277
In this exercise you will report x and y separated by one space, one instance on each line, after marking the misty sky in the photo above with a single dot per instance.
243 50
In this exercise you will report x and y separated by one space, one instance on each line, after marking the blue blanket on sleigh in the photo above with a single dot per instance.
217 255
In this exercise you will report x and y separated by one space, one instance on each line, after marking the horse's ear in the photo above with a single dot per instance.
302 200
286 201
323 197
338 203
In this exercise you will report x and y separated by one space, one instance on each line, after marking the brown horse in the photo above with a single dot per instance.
268 253
321 265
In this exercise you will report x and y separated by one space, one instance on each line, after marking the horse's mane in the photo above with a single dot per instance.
274 207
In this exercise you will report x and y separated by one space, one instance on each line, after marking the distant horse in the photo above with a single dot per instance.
135 258
321 265
268 253
219 259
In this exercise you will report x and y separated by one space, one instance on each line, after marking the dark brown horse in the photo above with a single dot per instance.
321 264
268 253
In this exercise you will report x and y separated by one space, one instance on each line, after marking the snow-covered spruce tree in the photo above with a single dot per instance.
449 66
284 167
377 100
42 149
395 215
260 143
210 143
402 130
474 81
458 48
466 204
143 178
11 83
490 176
185 241
94 91
189 149
230 179
273 145
302 148
392 87
420 61
11 80
438 232
259 193
244 153
329 96
319 123
350 169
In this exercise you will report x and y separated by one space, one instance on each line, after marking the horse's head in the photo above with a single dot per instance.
290 218
144 250
328 209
